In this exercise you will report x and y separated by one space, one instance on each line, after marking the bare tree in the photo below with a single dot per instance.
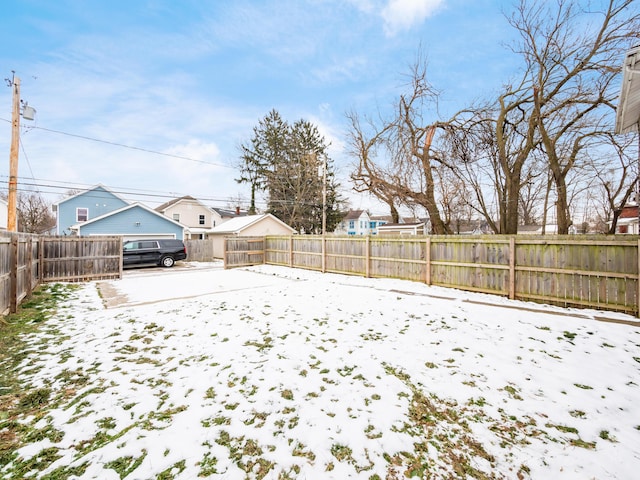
34 213
492 149
572 57
395 156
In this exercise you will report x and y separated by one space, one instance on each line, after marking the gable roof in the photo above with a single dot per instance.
127 207
353 214
240 223
95 187
173 201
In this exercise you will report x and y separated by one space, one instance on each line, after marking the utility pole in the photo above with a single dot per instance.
28 113
13 157
324 196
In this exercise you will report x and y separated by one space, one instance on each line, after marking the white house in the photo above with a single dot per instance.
628 109
356 222
197 218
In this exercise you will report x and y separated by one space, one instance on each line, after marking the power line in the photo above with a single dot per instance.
55 187
63 187
131 147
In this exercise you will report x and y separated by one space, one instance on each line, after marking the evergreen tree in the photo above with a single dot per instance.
287 162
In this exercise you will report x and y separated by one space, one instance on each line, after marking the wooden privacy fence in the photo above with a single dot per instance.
199 250
573 270
28 260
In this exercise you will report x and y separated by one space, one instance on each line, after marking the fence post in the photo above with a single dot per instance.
121 258
512 268
427 259
324 254
224 253
638 281
40 260
13 274
291 251
367 271
29 260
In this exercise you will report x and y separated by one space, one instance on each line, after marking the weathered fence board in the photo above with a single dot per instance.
243 251
79 259
598 272
199 250
28 260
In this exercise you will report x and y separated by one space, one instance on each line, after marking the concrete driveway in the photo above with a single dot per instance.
185 280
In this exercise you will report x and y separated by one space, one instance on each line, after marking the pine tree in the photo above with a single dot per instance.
286 161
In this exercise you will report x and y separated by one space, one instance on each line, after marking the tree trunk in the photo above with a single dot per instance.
562 207
437 224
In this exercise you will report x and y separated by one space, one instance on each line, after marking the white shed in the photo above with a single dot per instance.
247 226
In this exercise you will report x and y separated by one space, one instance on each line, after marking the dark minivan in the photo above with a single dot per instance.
162 251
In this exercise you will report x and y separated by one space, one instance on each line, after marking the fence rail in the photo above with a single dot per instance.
28 260
596 272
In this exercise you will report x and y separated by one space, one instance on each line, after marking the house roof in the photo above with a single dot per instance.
389 226
382 218
95 187
165 205
223 212
127 207
628 110
353 214
238 224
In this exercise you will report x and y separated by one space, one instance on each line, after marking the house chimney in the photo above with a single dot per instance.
238 210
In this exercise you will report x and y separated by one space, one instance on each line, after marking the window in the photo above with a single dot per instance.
176 217
82 214
130 246
352 224
201 220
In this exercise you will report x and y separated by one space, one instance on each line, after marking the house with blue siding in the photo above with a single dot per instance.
84 206
98 211
133 222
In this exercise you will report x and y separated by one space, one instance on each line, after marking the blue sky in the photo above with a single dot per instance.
192 78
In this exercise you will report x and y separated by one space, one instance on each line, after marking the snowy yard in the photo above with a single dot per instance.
268 372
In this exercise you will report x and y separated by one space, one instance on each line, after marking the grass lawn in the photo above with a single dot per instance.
284 374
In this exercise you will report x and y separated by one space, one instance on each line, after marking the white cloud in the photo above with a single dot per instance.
401 15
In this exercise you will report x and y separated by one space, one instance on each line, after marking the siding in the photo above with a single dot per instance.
98 201
190 214
126 223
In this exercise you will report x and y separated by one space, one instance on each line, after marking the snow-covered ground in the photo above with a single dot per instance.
269 372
